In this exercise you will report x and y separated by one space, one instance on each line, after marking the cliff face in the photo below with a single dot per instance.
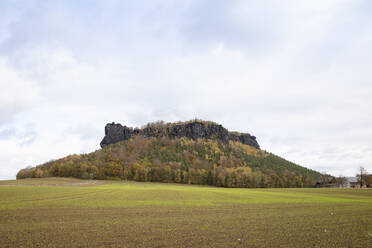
193 130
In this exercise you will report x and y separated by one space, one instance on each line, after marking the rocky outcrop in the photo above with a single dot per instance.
115 133
245 139
193 130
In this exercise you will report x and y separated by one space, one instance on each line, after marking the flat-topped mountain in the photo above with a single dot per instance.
193 152
192 129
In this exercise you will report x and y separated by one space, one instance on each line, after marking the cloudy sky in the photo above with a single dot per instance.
296 74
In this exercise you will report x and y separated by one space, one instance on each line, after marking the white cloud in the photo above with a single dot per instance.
288 72
16 94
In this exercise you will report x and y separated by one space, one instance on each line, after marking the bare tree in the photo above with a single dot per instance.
324 178
341 181
362 175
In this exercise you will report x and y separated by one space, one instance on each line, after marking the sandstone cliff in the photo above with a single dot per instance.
192 129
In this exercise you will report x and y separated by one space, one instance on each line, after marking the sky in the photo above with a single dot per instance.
294 73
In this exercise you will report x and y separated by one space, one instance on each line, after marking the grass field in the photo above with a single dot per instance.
60 212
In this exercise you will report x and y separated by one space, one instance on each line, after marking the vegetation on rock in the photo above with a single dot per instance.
193 129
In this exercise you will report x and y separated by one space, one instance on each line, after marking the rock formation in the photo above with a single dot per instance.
192 129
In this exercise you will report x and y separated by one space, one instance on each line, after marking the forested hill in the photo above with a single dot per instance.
180 160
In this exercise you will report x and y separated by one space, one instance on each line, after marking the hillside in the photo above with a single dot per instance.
163 158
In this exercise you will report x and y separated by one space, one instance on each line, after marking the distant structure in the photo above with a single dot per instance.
340 182
326 182
352 182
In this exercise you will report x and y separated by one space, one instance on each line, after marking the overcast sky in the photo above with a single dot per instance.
296 74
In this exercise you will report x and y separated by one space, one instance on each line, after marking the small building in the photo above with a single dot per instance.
326 182
352 182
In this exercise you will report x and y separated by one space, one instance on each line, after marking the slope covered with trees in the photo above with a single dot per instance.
180 160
